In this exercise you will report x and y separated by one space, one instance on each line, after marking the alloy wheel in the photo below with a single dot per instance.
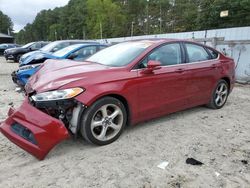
107 122
221 94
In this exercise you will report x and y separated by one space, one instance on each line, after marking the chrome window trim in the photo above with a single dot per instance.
196 62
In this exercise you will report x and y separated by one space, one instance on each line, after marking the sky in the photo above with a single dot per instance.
22 12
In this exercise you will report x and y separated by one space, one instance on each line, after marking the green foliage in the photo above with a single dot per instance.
91 19
6 24
104 19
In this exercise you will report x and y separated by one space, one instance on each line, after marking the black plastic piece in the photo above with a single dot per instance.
193 161
23 132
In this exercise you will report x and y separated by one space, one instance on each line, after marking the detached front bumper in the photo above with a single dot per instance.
33 130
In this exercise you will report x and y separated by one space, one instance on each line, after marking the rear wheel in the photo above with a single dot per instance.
220 95
103 122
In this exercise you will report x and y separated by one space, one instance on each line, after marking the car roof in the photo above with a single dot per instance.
86 41
86 44
158 41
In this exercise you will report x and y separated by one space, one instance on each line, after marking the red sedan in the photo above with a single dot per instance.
124 84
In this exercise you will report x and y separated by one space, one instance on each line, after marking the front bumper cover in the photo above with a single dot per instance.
8 56
33 130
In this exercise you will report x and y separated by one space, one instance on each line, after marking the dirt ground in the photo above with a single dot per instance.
218 138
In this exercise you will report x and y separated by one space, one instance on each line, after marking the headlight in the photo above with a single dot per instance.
57 94
29 67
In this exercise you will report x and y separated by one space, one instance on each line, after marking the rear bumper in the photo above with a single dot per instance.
33 130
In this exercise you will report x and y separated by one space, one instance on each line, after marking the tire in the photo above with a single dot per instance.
103 122
16 60
219 95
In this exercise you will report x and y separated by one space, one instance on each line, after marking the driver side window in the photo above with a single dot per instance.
169 54
85 52
35 46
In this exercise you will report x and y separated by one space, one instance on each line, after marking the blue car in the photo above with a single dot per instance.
31 57
77 52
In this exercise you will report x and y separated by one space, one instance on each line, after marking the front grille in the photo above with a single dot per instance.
23 132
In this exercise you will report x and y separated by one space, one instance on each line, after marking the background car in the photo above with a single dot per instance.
6 46
48 49
123 84
77 52
15 53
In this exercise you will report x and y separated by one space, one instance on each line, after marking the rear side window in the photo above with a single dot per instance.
214 54
35 46
44 44
196 53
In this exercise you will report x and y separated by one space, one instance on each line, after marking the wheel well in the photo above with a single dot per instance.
125 103
227 80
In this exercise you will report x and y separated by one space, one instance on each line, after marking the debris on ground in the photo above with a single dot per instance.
193 161
245 162
217 174
163 165
18 89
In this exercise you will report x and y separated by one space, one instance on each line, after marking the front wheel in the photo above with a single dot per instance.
103 122
220 95
16 60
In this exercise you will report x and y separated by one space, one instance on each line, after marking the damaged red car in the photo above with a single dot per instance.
124 84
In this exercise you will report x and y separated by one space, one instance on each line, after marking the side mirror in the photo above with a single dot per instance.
151 66
72 56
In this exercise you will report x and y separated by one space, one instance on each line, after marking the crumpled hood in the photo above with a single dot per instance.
54 74
38 55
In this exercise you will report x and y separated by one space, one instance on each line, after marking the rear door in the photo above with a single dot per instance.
203 71
162 91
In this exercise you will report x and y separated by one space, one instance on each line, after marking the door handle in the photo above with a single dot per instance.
180 70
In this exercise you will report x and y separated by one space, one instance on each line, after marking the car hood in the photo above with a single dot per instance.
15 50
24 56
54 74
33 57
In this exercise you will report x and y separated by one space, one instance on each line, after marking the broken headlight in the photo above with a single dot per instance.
27 67
57 94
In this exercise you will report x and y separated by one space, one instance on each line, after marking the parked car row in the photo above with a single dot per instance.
120 85
6 46
16 53
74 50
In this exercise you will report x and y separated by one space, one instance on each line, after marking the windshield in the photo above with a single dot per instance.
3 45
121 54
27 45
49 47
64 51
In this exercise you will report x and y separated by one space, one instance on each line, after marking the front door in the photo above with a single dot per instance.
162 91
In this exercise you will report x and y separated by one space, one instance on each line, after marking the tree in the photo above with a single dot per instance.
104 19
92 19
6 24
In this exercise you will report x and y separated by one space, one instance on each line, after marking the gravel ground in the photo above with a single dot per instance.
218 138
